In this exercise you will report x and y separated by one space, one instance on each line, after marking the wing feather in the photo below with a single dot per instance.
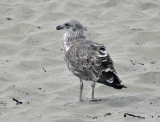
89 59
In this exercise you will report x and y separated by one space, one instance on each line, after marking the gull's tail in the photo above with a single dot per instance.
111 79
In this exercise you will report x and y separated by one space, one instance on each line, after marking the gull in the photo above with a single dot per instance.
86 59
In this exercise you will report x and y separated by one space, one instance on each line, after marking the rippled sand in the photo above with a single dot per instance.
32 69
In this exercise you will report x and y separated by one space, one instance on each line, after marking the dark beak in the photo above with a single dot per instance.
59 27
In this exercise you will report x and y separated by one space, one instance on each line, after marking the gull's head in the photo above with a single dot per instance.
72 27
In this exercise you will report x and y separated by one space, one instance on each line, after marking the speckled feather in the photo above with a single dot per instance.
86 59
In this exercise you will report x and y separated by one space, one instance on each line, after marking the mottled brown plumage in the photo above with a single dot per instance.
86 59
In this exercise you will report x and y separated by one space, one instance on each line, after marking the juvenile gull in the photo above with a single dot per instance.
86 59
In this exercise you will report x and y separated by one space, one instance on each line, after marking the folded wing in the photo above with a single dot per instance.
90 61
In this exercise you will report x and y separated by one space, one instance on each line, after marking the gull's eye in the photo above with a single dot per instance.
67 24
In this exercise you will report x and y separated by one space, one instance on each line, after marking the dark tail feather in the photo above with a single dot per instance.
111 79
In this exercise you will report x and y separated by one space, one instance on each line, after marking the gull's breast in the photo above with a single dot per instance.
65 42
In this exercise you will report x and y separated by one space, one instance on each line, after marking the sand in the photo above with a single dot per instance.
32 69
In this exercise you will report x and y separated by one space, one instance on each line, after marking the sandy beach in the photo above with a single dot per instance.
33 71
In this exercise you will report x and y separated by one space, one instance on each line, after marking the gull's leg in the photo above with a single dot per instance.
81 88
93 99
93 86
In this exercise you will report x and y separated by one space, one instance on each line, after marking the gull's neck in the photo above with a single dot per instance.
70 39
